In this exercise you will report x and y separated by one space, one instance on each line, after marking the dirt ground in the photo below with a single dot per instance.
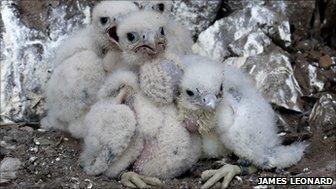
50 160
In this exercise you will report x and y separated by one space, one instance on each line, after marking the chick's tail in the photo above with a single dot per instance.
285 156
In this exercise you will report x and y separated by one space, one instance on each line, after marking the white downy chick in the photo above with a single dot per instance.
123 76
73 85
71 91
143 39
180 38
223 105
112 142
100 36
245 120
146 41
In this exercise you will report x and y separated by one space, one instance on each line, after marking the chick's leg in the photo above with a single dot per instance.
134 180
227 173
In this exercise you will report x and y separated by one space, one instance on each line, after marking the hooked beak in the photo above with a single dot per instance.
210 102
148 48
150 44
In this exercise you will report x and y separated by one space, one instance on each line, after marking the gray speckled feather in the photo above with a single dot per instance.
173 71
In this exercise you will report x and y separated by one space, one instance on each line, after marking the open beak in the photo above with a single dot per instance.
112 35
210 102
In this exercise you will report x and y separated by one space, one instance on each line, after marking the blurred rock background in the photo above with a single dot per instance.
287 47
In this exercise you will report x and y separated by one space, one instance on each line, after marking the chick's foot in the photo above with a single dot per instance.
134 180
227 172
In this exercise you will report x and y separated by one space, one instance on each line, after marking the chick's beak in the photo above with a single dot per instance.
210 101
112 34
151 44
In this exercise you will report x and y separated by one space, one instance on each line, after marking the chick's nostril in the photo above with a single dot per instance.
203 99
143 37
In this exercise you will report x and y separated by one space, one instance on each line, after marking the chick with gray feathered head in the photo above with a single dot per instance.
142 37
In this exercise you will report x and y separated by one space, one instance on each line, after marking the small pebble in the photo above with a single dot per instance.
41 130
36 141
282 134
89 186
239 178
34 149
32 159
325 61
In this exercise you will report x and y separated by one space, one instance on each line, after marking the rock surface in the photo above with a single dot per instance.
8 169
214 41
195 15
273 76
323 115
31 32
249 34
298 14
310 78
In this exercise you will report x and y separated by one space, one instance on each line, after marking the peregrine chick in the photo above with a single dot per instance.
180 38
71 91
73 85
145 40
112 142
220 99
100 36
166 142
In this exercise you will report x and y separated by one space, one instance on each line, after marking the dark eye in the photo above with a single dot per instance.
130 36
161 7
221 87
190 93
103 20
162 31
